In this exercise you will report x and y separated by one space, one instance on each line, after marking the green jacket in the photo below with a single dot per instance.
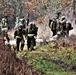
30 32
61 26
18 34
53 25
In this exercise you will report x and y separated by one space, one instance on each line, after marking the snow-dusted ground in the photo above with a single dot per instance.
13 42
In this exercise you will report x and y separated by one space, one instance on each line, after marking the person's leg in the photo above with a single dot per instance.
28 43
18 43
54 32
8 39
67 33
22 44
32 43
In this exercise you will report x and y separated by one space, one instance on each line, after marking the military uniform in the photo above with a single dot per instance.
30 34
5 30
18 34
35 32
53 26
61 28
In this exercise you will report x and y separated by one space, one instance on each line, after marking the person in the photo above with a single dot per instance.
19 35
58 14
19 23
5 30
68 28
53 26
31 33
24 22
61 28
36 30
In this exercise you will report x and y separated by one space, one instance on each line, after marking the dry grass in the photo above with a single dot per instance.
11 65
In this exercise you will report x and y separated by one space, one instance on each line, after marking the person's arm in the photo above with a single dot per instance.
15 34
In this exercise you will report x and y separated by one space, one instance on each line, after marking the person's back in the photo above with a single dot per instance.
59 27
5 30
18 32
53 26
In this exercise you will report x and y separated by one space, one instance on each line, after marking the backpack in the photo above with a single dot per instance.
50 22
70 26
35 28
53 26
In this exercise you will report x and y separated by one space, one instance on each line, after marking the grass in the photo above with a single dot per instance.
45 66
61 73
35 58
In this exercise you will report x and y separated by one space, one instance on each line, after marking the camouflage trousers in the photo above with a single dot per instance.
5 36
18 41
31 43
54 32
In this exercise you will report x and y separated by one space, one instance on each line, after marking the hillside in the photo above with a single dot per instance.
35 8
49 58
56 57
39 11
10 64
53 58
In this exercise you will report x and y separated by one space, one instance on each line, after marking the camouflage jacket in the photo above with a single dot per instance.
53 25
29 32
18 34
4 25
61 26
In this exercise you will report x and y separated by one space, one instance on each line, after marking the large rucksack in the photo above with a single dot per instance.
35 28
50 20
53 26
70 26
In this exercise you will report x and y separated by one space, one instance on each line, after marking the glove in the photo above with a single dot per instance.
35 37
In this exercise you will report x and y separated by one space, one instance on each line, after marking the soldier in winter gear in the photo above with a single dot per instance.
53 26
31 32
18 34
5 29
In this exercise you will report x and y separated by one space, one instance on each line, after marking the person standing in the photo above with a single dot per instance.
19 35
61 28
53 26
5 30
30 35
